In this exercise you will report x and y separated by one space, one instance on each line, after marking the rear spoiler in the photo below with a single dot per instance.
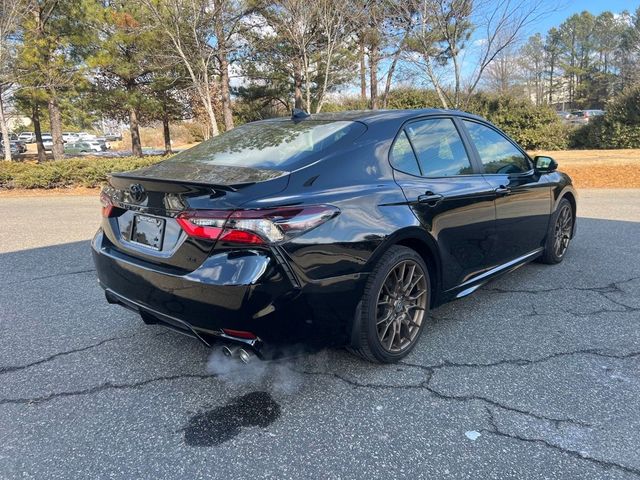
213 186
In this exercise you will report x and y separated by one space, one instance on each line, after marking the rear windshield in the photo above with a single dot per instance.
271 145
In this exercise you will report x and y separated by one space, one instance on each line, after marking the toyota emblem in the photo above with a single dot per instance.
137 192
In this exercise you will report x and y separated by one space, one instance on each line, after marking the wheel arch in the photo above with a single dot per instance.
416 239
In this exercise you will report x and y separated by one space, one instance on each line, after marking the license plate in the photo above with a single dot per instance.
148 231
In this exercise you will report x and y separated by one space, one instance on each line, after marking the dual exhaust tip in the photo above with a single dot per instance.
245 356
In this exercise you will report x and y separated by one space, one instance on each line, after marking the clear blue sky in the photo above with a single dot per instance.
569 7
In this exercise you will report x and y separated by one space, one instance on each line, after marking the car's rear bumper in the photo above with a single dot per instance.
245 290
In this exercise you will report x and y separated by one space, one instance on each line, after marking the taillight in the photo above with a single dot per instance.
257 226
205 224
107 205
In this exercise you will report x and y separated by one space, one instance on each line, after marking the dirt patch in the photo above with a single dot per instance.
600 168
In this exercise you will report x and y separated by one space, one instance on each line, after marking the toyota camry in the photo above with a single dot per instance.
329 229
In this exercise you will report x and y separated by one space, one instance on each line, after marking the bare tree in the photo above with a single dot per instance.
502 75
295 25
230 26
449 29
337 20
189 25
11 14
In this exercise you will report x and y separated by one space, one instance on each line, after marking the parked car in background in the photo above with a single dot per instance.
113 137
339 228
70 137
28 137
47 142
13 148
20 146
563 115
581 117
103 142
83 147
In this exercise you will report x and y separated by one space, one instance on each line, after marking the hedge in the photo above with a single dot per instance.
73 172
533 127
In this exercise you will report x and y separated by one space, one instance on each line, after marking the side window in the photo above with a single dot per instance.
439 148
402 157
498 155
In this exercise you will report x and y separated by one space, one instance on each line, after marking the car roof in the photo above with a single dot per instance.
375 116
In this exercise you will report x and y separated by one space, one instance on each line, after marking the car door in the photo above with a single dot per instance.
522 197
449 196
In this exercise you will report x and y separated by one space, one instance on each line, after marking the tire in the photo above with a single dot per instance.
559 233
405 307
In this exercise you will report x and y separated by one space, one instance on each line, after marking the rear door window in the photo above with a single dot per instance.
439 148
402 156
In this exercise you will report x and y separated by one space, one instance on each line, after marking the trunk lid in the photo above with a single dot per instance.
149 199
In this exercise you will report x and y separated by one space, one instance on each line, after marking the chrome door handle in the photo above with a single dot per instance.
502 190
430 198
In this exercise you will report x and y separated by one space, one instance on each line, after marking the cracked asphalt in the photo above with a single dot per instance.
537 375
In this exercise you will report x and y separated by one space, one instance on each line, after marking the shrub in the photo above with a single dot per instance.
413 98
73 172
618 128
533 127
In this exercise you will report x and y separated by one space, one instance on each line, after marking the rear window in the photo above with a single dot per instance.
274 145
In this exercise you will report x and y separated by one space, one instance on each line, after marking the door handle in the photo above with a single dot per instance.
430 198
502 190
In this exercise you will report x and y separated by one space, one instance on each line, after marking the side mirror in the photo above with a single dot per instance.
545 164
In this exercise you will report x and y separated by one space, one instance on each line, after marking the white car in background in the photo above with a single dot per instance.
70 137
47 142
96 146
27 137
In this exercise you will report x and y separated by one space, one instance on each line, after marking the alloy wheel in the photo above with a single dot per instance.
401 307
562 231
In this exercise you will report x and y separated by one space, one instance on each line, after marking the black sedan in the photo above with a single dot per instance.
330 229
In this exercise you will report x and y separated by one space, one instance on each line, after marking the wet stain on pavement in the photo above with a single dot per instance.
218 425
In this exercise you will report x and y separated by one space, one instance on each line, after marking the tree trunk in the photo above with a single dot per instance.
213 123
363 73
167 134
297 89
373 76
5 132
37 129
134 128
224 74
392 69
55 118
551 82
225 93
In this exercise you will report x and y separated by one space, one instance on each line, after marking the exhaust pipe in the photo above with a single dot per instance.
245 355
229 351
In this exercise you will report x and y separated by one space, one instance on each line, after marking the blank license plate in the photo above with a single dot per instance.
148 231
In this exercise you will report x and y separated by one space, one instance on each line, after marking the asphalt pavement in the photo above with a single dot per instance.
537 375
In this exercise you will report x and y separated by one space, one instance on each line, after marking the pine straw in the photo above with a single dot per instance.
600 168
